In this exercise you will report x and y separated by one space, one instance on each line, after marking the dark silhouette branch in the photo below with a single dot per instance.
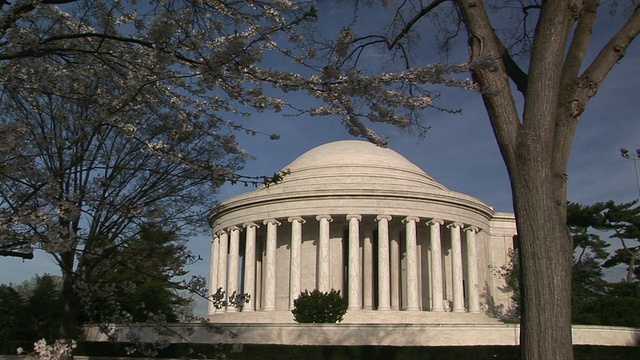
414 20
18 254
513 70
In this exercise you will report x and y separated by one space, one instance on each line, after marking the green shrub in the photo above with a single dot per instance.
319 307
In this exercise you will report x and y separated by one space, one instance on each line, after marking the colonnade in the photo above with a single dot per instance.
257 277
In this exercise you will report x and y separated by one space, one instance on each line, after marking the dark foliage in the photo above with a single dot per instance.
44 307
14 317
30 311
133 285
594 300
319 307
138 282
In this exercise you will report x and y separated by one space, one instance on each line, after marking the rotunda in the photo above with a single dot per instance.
364 220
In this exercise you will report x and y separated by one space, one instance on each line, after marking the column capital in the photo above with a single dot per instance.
232 228
472 229
325 217
383 217
296 218
435 222
271 221
410 219
222 232
352 216
250 224
455 224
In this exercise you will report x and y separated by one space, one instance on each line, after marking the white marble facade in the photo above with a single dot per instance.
364 220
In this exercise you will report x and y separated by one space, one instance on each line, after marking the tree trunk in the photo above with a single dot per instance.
536 146
546 255
69 309
536 168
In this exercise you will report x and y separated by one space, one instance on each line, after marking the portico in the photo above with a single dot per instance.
399 274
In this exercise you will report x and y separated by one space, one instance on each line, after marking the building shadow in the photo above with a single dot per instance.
500 311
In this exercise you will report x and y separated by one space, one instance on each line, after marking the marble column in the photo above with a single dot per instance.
383 263
394 268
473 291
234 263
250 265
323 274
456 267
270 265
437 293
367 270
213 288
295 269
222 268
412 263
354 263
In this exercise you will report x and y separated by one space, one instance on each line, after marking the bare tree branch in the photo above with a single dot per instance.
580 41
608 57
414 20
489 72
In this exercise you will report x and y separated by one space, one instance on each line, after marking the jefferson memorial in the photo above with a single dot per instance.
362 219
416 261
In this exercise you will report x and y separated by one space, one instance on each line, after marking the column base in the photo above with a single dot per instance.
437 310
459 310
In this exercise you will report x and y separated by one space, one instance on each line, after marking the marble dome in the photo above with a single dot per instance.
353 164
353 176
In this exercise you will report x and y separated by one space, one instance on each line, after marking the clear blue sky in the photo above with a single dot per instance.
459 151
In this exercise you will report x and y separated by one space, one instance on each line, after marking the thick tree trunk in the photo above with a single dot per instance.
536 146
527 147
546 255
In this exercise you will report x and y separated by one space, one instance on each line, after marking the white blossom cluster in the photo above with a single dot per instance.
60 349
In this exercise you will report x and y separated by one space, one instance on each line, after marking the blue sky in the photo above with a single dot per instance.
459 151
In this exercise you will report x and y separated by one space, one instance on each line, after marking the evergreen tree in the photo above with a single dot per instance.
624 221
44 307
14 320
594 300
140 282
135 284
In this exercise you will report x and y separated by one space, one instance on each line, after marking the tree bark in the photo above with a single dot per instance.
527 147
546 255
69 309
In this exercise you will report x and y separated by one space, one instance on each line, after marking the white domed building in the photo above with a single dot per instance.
351 216
415 260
